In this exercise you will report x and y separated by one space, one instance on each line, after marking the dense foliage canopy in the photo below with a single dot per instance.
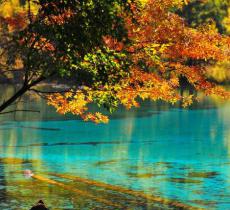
114 52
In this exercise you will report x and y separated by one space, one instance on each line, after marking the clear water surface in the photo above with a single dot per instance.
157 150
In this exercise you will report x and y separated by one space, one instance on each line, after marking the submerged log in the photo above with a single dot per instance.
39 206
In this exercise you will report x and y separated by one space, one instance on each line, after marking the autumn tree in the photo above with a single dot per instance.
53 40
162 50
126 52
215 13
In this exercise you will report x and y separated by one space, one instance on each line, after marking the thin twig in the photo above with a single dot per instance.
19 110
50 92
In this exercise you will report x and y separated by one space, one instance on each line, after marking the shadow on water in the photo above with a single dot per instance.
39 128
91 143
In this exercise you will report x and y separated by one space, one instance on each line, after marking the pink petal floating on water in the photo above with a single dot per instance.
28 173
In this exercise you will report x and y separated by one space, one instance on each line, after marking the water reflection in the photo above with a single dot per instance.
170 153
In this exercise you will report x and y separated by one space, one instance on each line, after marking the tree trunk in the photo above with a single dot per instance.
20 92
13 98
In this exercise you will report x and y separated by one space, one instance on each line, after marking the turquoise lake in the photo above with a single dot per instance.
159 150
